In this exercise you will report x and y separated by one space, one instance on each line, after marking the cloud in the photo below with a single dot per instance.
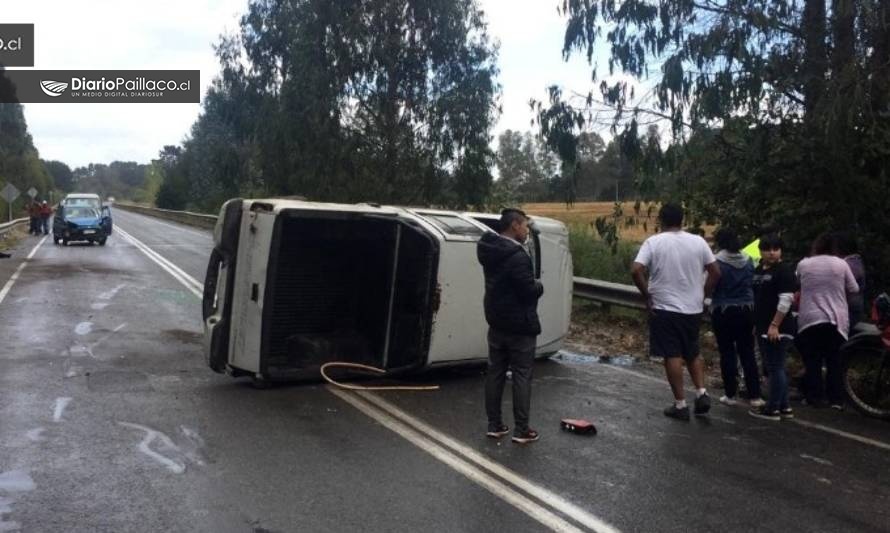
179 34
104 34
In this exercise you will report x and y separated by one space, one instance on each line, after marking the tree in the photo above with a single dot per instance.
173 192
62 175
774 110
348 100
20 163
525 166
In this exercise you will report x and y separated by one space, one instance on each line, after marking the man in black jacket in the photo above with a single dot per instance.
511 301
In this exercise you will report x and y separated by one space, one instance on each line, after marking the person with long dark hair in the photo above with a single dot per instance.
847 249
823 319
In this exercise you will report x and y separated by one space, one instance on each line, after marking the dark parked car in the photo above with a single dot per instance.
80 223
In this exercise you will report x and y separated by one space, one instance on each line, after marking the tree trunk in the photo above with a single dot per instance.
879 66
813 28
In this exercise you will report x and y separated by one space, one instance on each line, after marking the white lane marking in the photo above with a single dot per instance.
193 285
493 485
15 275
35 435
98 306
815 459
150 435
59 409
820 427
84 328
16 481
553 500
846 435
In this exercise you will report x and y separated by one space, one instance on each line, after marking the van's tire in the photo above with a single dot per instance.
102 241
64 242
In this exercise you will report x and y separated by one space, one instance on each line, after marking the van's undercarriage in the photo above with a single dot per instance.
346 287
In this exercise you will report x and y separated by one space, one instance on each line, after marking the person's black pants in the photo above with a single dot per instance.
734 328
516 352
818 344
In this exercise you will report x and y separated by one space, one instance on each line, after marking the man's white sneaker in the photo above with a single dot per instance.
757 402
726 400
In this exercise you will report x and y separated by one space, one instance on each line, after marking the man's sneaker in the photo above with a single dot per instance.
530 435
765 414
786 412
496 432
756 402
675 412
702 404
726 400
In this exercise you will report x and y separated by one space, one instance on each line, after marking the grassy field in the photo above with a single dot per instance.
583 214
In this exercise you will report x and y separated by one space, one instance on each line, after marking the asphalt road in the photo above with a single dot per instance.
110 421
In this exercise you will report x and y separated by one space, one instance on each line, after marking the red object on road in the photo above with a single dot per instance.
577 425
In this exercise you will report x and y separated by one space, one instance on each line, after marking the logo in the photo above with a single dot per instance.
53 88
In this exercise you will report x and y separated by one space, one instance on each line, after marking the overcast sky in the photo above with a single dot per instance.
179 34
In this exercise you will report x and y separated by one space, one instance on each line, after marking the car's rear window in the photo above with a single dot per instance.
80 211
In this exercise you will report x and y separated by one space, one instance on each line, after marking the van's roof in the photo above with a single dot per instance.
82 195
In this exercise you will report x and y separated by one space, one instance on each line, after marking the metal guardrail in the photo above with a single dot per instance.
604 292
6 226
192 219
607 293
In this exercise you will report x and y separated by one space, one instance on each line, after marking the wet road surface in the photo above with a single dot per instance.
110 421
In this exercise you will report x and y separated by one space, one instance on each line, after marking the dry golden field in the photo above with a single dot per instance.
584 214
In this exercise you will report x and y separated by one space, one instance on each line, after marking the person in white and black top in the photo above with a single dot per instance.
774 286
668 271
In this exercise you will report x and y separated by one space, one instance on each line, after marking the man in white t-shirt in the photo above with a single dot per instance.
675 290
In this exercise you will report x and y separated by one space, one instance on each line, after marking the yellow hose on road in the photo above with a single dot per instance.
357 366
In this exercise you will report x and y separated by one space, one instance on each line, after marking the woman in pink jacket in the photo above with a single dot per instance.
823 320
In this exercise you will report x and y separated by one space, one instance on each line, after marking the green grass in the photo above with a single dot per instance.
593 258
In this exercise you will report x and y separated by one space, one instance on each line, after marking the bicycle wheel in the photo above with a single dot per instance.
867 380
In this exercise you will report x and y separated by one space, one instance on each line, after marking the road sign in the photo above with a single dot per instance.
32 192
9 193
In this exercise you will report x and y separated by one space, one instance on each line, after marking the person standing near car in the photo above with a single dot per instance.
34 216
824 320
774 288
847 248
732 318
45 212
511 302
668 271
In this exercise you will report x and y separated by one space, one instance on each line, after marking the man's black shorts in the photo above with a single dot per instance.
673 334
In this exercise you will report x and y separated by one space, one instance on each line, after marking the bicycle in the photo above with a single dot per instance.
866 360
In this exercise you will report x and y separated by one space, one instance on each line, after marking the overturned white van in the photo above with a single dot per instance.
292 285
